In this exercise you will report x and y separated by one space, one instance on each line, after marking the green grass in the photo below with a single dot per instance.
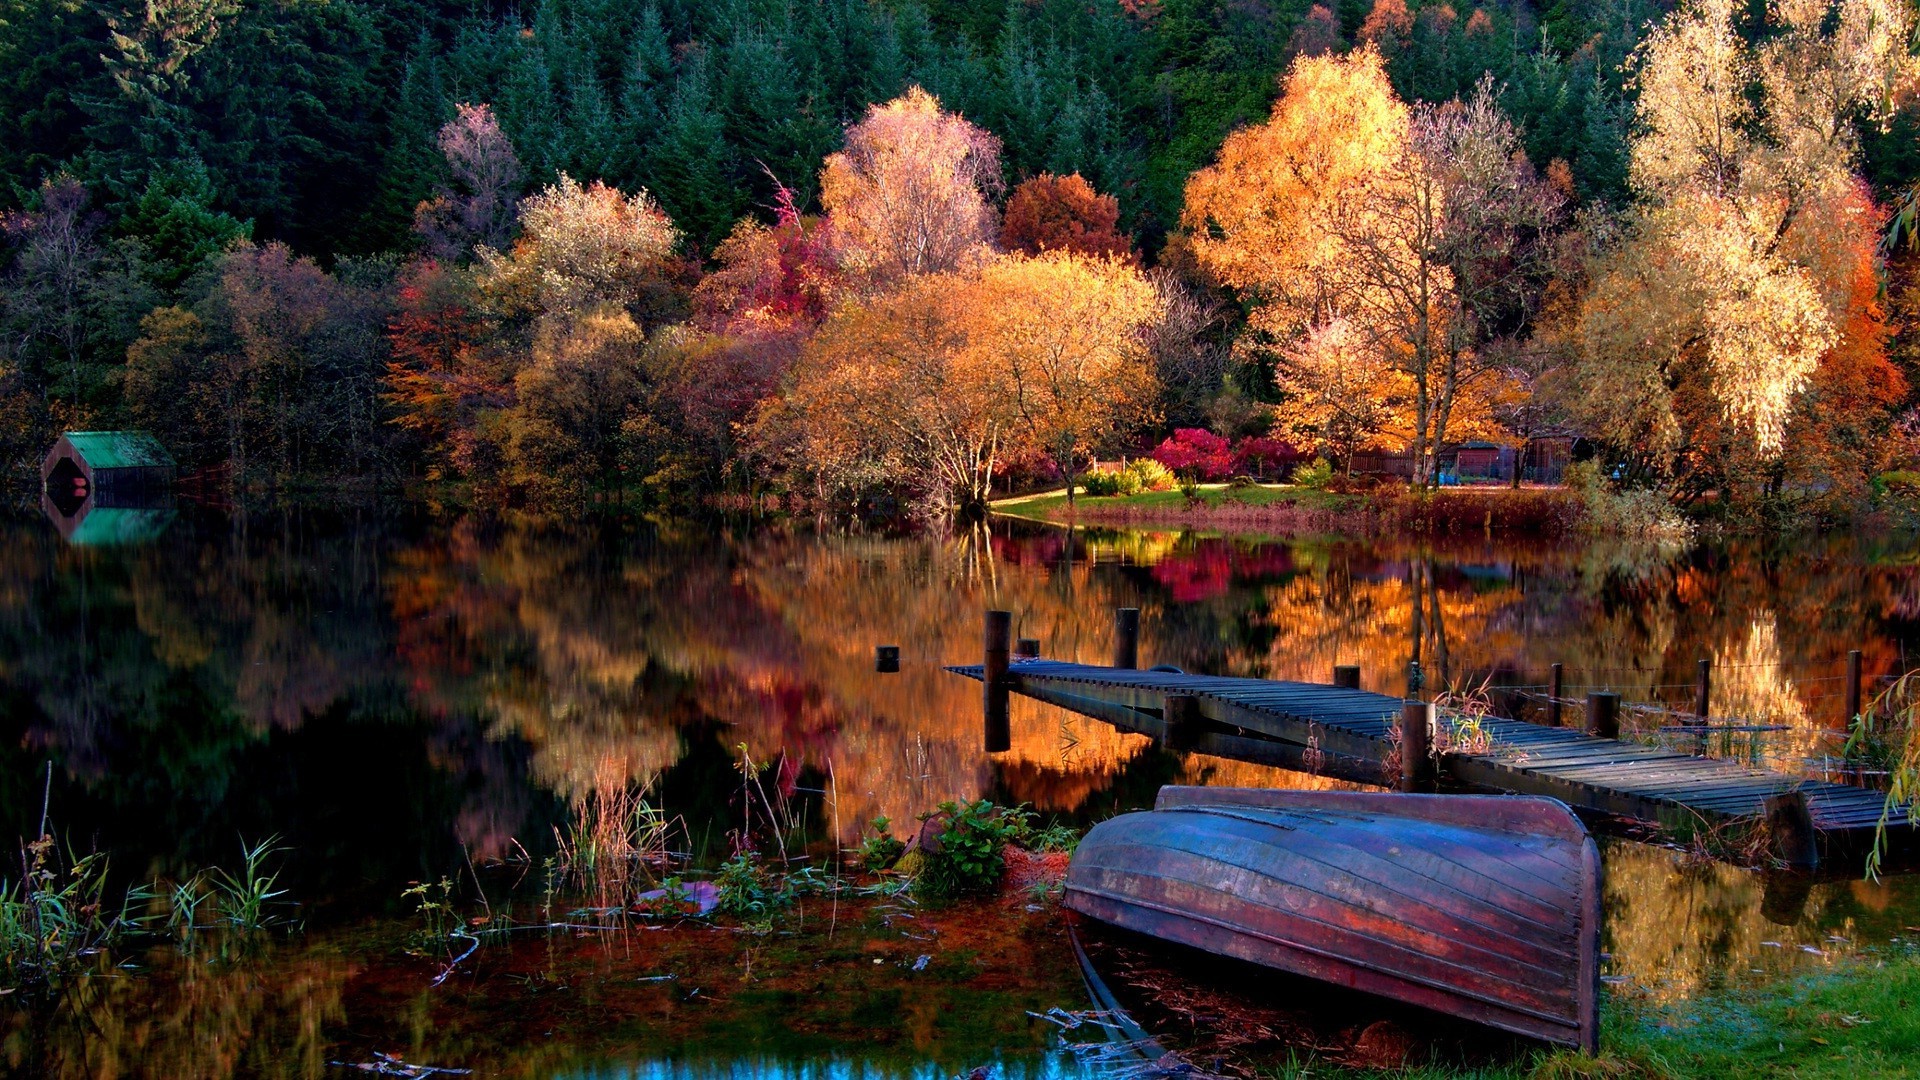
1860 1021
1053 504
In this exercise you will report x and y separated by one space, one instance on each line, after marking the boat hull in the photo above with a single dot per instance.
1481 907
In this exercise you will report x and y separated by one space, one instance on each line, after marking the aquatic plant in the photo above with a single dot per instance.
245 899
433 907
881 849
54 917
616 842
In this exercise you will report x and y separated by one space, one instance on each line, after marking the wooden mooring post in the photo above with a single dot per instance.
1603 714
1556 683
999 728
886 659
1347 676
1027 648
1181 715
1416 746
1853 686
1794 842
1126 638
1702 689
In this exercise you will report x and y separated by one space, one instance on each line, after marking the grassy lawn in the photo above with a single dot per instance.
1860 1021
1053 504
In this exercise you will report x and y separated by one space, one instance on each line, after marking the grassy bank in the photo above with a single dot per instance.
1286 508
1859 1020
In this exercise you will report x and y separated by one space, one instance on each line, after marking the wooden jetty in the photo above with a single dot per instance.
1353 734
1481 907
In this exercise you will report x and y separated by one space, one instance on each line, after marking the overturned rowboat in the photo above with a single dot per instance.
1481 907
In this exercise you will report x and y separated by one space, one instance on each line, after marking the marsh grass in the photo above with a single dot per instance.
616 844
56 916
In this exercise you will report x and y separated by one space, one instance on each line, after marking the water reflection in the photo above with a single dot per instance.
395 692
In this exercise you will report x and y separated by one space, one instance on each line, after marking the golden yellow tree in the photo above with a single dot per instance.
1419 228
1069 333
1707 322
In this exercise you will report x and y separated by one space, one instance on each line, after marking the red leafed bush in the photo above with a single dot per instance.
1260 455
1196 453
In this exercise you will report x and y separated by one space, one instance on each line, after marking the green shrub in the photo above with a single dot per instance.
747 890
1100 483
882 849
1150 474
1316 474
962 856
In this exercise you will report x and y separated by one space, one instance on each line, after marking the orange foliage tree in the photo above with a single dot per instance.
927 385
1419 227
1063 213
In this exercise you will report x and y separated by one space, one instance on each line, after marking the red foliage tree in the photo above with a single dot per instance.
1063 213
1196 453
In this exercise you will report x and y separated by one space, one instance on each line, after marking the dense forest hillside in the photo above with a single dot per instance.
294 236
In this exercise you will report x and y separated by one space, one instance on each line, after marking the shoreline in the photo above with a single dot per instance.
1283 508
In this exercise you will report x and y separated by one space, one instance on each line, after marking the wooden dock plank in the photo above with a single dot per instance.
1272 720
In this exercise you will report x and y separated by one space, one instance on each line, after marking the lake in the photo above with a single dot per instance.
405 694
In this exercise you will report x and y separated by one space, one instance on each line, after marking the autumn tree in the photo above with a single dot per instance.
889 394
1063 213
770 279
1339 392
580 249
1737 276
445 373
1071 333
909 192
475 205
1422 228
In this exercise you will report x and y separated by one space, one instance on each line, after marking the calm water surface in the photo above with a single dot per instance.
402 695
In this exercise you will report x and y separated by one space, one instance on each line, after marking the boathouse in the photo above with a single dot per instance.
106 467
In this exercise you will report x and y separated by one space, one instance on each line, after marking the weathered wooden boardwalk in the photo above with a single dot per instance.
1349 734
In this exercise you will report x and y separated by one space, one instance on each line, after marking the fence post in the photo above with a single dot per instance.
1346 676
1853 686
1702 688
1416 746
999 729
1126 638
1603 714
886 658
1555 684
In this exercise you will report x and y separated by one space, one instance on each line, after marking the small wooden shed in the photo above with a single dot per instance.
106 466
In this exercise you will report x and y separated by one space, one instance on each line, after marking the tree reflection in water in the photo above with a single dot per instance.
394 692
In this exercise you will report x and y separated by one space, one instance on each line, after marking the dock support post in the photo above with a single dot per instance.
1791 835
1416 745
1027 648
1702 689
1603 715
1126 638
1555 684
1853 686
886 659
1346 676
1181 715
999 729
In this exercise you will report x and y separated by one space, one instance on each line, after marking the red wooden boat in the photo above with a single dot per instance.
1481 907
